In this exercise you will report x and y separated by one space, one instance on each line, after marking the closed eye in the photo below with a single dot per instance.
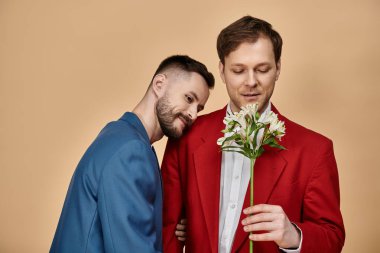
237 71
263 70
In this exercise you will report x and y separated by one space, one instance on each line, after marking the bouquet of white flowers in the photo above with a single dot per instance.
247 133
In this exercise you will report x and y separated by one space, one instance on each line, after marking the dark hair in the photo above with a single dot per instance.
187 64
247 29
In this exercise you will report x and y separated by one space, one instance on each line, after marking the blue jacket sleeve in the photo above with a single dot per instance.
128 202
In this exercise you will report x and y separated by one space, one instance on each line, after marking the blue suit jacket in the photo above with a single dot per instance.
114 201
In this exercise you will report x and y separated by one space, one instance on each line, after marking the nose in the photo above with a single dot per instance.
251 78
192 113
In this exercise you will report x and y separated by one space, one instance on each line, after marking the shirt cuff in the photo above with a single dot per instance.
298 250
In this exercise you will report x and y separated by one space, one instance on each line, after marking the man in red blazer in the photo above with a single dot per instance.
296 190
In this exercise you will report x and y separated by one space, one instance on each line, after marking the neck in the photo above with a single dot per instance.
145 111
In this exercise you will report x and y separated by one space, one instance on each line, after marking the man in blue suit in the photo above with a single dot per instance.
114 201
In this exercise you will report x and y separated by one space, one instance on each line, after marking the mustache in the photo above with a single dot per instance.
186 118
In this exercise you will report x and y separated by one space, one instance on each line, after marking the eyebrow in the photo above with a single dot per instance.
263 64
194 95
237 65
243 65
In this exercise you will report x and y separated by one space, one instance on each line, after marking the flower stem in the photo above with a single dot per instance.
252 198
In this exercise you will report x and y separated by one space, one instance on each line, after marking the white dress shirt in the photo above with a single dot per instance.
234 180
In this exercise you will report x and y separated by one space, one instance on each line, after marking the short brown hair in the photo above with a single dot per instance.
247 29
186 64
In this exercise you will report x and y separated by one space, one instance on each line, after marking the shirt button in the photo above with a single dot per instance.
236 177
233 206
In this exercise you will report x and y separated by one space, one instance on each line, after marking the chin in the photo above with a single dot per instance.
179 130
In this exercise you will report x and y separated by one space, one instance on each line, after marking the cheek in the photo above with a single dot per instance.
180 108
234 82
267 81
176 110
232 89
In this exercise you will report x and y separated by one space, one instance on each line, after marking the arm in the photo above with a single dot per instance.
128 195
173 201
321 227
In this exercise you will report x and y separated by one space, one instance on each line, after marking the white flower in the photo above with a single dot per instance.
248 121
220 140
231 120
240 119
249 110
277 128
268 118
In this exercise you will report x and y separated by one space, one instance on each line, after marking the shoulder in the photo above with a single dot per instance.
132 155
116 139
300 136
206 126
117 135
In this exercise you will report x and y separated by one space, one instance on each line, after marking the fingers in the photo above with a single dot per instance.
264 217
180 227
282 237
181 235
263 226
262 237
263 208
260 217
265 222
181 230
273 225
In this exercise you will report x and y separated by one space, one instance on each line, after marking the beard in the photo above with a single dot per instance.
166 117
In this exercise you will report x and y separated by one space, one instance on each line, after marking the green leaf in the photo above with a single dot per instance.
268 140
231 138
231 147
255 138
260 152
239 142
257 116
276 145
252 128
240 152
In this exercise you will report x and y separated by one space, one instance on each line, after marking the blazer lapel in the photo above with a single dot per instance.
207 161
268 170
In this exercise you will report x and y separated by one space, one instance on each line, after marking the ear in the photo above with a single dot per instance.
221 72
278 70
159 84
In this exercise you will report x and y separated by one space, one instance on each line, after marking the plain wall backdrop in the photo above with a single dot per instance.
69 67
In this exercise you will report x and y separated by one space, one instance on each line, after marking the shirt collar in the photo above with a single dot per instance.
132 119
267 109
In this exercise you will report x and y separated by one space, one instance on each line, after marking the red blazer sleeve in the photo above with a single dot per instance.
322 224
173 197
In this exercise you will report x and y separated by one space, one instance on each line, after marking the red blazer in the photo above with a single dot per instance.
303 180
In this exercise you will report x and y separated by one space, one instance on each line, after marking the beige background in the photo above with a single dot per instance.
69 67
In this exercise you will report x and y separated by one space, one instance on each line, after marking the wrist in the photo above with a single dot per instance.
296 245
